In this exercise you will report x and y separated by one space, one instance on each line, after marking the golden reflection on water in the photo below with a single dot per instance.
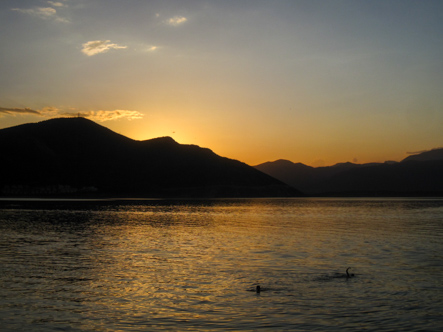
195 264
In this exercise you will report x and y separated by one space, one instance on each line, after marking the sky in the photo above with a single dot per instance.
317 82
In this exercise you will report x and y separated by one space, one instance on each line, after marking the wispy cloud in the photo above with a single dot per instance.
14 111
145 48
46 13
176 20
102 116
94 47
54 112
56 4
41 12
148 48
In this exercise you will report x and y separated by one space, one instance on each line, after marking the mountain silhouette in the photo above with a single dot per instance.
434 154
76 156
417 175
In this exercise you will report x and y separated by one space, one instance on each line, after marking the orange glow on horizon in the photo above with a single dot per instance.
252 151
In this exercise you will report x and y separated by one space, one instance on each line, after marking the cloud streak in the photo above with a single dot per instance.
94 47
176 20
53 112
102 116
14 111
151 48
41 12
56 4
45 13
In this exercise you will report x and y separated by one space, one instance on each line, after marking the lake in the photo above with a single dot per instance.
193 265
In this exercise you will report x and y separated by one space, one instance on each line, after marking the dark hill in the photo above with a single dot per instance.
418 176
434 154
307 178
410 178
66 155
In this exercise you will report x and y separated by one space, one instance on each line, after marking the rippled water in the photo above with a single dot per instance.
144 265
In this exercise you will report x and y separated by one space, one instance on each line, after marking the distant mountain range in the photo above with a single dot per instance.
76 156
417 175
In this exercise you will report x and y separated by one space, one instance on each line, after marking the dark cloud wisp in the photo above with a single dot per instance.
13 111
52 112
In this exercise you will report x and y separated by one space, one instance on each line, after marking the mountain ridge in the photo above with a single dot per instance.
79 155
420 174
433 154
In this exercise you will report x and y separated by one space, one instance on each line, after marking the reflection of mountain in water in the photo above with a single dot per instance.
419 174
71 155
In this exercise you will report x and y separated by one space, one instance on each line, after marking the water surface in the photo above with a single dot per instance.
144 265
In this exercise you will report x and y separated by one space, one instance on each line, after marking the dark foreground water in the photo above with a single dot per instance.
193 265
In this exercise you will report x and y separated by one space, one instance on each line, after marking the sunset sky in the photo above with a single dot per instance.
317 82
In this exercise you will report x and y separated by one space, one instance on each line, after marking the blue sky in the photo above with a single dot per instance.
317 82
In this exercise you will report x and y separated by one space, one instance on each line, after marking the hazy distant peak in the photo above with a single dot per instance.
283 162
163 139
344 163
